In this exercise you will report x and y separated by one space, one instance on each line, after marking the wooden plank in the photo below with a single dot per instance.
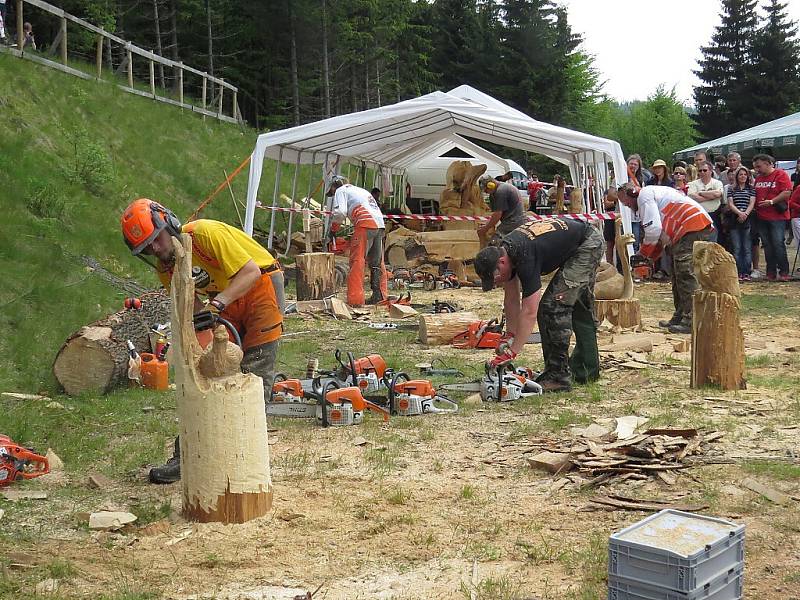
152 78
180 84
205 92
130 67
645 504
48 63
401 311
769 493
553 462
684 433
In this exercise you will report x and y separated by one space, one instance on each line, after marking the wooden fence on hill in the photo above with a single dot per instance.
214 101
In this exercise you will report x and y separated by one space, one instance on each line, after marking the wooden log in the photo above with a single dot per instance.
717 341
717 336
316 276
225 471
95 358
439 329
623 313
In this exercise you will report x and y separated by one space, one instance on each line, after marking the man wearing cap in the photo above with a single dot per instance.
244 284
672 223
574 249
505 204
366 244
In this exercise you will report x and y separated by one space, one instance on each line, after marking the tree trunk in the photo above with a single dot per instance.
326 83
717 336
173 41
159 48
316 275
439 329
293 63
623 313
225 472
95 358
210 46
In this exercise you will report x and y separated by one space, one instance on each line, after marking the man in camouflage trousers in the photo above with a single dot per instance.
572 247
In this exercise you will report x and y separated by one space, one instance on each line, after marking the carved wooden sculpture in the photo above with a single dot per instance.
225 472
560 188
462 196
614 292
717 337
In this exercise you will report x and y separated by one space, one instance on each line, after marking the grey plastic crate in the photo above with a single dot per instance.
727 586
676 550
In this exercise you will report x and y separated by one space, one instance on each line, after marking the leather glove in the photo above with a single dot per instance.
205 319
502 359
506 341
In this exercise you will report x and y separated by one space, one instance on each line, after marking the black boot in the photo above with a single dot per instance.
170 472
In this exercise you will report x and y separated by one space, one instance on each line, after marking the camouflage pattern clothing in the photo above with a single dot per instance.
684 283
260 360
567 305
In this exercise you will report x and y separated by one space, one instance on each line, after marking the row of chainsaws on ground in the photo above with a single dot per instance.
342 396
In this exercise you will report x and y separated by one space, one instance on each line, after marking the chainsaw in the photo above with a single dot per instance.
480 334
410 397
447 280
289 399
505 384
339 406
17 462
367 373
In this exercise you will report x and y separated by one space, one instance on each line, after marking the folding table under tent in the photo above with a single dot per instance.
389 137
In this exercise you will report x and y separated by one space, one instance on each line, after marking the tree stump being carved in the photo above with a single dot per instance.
316 276
717 336
439 329
614 293
225 473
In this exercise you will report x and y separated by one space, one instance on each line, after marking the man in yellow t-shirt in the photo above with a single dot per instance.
242 281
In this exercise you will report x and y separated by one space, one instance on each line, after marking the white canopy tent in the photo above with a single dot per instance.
392 137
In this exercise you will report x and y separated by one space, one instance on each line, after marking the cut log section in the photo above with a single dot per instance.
316 275
717 336
439 329
95 358
623 313
225 473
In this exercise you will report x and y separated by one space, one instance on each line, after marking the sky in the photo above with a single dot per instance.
639 44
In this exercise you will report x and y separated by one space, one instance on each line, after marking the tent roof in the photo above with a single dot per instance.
427 149
774 134
377 134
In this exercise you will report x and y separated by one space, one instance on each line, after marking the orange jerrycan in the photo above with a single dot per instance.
154 372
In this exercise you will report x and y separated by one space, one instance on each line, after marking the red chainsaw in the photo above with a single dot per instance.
17 462
480 334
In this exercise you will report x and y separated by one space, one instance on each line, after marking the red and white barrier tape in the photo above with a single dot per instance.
530 216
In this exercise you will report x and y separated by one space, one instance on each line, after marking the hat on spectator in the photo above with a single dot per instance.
659 163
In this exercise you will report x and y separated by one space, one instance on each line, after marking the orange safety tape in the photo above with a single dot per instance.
219 188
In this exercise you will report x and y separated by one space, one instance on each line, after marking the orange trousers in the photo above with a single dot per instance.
366 247
256 314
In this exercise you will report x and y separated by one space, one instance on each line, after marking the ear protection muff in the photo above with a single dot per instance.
491 186
164 218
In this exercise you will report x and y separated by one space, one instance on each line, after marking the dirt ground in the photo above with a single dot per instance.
446 506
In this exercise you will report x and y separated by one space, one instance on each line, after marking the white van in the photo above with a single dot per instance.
428 176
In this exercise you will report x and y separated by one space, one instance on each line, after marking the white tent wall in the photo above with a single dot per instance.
382 136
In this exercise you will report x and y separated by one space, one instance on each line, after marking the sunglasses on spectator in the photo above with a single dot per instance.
676 173
703 170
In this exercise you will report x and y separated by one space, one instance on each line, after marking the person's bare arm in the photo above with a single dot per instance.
493 220
241 283
526 320
511 304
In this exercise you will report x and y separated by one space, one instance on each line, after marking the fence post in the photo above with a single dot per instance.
180 83
99 55
236 107
221 94
152 78
20 24
130 66
63 41
205 87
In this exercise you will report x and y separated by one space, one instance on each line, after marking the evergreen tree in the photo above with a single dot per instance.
774 78
454 37
720 98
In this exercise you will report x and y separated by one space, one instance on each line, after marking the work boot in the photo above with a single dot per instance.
375 299
550 386
675 320
682 327
170 472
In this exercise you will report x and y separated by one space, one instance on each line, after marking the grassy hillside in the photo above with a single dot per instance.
73 154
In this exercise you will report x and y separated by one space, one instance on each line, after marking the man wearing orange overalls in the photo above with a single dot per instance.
366 244
242 281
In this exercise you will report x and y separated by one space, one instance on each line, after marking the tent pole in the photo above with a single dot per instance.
291 214
326 201
275 198
307 202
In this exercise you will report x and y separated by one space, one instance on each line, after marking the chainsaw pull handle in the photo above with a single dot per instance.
323 400
392 392
276 379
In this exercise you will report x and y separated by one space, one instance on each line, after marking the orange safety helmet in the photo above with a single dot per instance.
143 220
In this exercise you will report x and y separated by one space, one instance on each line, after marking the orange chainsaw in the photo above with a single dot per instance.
339 407
410 397
480 334
17 462
289 399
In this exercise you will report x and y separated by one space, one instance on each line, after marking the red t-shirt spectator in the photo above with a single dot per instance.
767 188
794 204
